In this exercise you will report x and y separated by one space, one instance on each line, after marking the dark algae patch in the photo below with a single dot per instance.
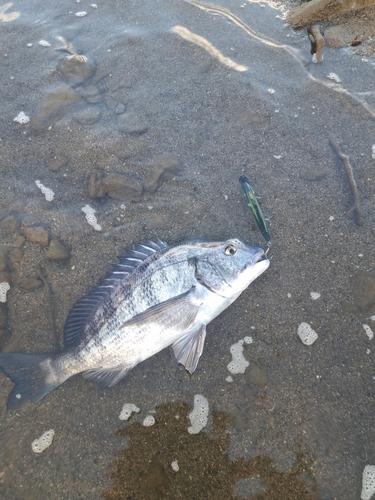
143 469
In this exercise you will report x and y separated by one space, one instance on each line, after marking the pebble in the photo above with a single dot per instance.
77 70
3 258
364 290
29 283
315 173
36 234
57 251
54 102
4 337
132 123
124 187
89 115
90 93
165 168
95 187
57 162
16 256
3 315
256 374
120 108
11 222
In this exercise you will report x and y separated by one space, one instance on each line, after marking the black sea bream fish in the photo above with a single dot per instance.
156 297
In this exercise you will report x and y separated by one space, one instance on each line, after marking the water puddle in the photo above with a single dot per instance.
130 121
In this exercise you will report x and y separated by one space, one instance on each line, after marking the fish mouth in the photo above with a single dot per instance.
259 256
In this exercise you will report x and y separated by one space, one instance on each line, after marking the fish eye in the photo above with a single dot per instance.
230 250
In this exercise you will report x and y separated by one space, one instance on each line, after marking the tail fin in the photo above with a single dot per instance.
30 378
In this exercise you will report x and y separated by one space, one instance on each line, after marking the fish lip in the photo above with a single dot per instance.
257 257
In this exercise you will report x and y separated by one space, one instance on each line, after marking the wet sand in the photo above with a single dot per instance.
179 100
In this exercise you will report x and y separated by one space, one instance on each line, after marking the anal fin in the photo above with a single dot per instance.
188 349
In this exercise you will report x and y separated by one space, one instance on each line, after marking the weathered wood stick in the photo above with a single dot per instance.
51 309
360 215
318 42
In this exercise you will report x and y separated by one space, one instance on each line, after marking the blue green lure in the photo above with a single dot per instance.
254 206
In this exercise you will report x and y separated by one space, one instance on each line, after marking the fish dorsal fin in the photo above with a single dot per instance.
188 349
85 307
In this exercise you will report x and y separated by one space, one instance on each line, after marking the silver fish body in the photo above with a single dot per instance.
156 297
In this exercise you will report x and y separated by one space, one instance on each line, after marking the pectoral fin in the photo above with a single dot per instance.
188 349
177 312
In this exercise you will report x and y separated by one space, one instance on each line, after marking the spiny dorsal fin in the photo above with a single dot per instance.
85 307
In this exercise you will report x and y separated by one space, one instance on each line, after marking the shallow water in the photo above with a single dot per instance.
311 404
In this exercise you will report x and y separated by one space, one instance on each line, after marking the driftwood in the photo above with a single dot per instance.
316 10
317 42
360 215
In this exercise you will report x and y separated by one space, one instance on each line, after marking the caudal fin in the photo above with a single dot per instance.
30 378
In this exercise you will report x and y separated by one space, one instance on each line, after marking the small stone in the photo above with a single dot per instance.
364 290
57 251
4 337
10 222
37 234
313 173
20 241
96 188
77 69
89 115
3 258
132 123
90 93
124 187
3 315
120 108
31 283
58 162
256 374
16 256
54 102
165 167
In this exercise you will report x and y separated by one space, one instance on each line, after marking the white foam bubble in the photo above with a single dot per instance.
307 334
44 442
314 295
198 417
368 482
368 331
373 151
248 340
44 43
127 411
81 14
149 421
90 217
238 363
21 118
4 287
333 76
175 466
229 379
48 193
